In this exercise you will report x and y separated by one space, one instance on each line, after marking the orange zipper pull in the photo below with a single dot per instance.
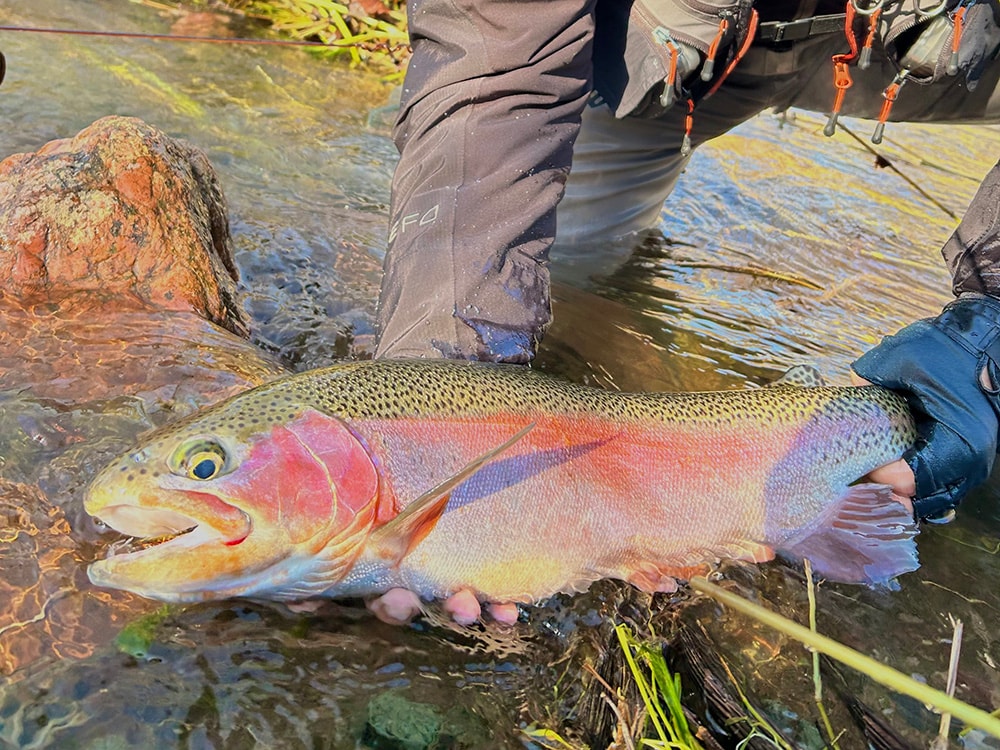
841 74
842 80
740 53
708 68
890 94
663 37
688 127
865 59
956 40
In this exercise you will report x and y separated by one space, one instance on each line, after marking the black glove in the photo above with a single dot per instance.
937 364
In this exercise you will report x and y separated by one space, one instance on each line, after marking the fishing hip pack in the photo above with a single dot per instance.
653 55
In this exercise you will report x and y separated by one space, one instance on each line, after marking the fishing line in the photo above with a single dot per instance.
337 43
177 37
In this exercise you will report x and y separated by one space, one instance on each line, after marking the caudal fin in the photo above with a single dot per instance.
870 538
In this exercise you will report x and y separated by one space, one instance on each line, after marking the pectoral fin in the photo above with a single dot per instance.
397 538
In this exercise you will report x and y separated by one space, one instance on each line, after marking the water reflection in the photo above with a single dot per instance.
78 383
778 247
244 676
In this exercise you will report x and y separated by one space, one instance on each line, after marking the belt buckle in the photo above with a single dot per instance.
788 31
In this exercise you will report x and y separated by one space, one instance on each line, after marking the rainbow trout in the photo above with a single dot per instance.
438 476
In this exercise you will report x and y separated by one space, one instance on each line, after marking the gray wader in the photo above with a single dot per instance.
490 122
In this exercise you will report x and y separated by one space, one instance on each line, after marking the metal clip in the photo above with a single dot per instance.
867 11
935 11
662 36
890 94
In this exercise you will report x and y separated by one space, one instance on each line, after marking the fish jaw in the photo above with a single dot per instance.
203 562
212 550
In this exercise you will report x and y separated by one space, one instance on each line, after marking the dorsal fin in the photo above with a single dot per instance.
800 376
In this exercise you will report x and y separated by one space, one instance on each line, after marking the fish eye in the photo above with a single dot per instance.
200 459
204 465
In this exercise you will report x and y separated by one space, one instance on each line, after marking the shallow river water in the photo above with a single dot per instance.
780 247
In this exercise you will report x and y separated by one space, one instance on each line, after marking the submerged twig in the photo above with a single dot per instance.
760 727
750 270
817 678
881 673
963 597
941 741
625 730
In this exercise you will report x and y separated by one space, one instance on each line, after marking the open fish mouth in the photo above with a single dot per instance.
132 545
179 550
148 529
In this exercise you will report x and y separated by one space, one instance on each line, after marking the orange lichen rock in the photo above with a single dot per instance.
120 212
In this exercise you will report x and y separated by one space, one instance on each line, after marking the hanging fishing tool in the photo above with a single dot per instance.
889 97
841 63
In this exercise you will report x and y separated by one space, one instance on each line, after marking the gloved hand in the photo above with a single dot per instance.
948 368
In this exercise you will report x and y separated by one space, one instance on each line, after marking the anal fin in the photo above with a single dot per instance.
662 579
662 575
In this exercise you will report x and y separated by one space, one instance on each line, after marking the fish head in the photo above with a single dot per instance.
239 500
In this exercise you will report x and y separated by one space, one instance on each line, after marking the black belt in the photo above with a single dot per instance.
802 28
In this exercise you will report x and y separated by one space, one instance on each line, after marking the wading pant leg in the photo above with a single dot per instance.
489 112
624 169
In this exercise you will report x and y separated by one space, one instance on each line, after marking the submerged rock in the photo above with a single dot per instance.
119 211
396 723
118 312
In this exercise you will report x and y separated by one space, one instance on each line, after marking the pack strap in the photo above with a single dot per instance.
773 32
